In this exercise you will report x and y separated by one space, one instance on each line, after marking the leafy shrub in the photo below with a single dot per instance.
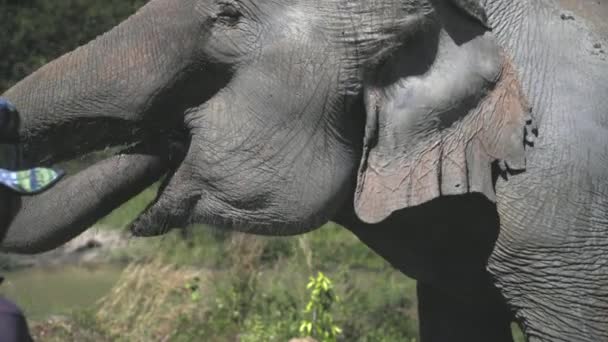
320 321
227 289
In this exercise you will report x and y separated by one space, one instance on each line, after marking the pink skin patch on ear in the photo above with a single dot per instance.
453 161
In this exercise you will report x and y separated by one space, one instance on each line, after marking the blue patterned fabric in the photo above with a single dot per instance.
26 181
29 181
6 105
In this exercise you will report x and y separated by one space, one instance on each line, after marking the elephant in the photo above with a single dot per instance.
465 141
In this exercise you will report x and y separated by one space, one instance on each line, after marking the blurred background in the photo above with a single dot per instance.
199 284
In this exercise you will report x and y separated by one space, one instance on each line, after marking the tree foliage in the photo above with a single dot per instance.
34 32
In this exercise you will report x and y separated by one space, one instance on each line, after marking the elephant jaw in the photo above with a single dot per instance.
279 182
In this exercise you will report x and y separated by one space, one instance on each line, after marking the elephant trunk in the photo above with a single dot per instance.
113 91
127 86
43 222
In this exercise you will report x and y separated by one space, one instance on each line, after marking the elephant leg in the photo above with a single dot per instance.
448 255
444 318
560 293
550 260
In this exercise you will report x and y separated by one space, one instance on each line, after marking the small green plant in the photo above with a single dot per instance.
193 287
320 322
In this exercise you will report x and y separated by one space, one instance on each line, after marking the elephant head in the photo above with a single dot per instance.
288 110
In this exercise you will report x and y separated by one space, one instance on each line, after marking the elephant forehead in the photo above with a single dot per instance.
369 28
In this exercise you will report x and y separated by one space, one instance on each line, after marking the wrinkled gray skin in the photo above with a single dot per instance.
407 121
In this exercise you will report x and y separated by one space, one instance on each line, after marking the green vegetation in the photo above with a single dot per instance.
218 286
320 321
122 216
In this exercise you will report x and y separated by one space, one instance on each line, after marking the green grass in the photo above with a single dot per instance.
125 214
248 286
257 284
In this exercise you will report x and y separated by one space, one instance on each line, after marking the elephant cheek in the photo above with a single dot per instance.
249 199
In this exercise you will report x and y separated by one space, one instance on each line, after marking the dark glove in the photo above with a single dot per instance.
26 181
9 122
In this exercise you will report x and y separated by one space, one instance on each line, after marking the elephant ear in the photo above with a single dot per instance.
474 9
437 128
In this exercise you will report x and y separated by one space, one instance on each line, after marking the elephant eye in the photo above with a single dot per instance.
229 12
